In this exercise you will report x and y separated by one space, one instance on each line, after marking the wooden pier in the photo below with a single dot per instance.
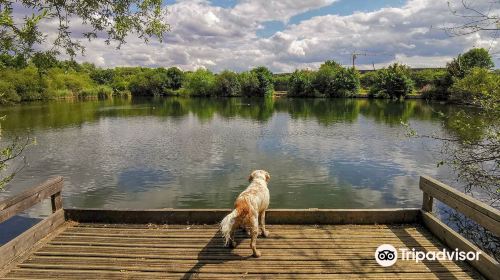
186 244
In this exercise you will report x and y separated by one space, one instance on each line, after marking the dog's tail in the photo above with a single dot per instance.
227 224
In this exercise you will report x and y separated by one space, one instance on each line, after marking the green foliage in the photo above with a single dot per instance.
479 87
249 83
8 93
176 76
464 63
150 82
115 19
12 61
227 83
367 79
300 84
27 83
280 82
265 82
102 76
427 77
333 80
200 83
393 81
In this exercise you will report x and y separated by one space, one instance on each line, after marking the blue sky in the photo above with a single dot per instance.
288 34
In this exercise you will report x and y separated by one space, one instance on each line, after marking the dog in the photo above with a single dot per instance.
249 211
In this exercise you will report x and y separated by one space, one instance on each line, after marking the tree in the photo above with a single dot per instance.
265 81
115 19
463 64
393 81
227 83
479 16
176 77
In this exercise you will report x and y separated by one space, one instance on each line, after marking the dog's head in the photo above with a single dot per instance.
262 174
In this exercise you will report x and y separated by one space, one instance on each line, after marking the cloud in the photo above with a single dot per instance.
221 38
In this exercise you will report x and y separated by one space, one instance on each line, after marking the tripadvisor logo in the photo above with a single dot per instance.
386 255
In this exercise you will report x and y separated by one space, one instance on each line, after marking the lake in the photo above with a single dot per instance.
198 152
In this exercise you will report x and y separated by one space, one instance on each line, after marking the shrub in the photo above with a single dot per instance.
102 76
300 84
427 77
249 83
334 80
26 82
264 82
200 83
227 83
150 82
368 79
478 86
176 76
280 82
393 81
8 93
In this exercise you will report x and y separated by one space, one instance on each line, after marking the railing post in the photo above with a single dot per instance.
56 201
427 202
427 199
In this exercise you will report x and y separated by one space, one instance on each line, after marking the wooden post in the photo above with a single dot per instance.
56 201
427 202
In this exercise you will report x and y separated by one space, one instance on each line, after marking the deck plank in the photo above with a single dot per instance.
100 251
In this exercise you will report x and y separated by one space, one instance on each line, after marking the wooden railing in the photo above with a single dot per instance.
481 213
12 206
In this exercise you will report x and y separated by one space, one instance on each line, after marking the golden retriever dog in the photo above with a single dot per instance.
249 211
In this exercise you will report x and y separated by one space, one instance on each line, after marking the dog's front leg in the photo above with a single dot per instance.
262 222
254 231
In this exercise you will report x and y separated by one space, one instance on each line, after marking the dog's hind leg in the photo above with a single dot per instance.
254 231
232 242
262 223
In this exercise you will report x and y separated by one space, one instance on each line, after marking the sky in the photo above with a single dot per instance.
288 34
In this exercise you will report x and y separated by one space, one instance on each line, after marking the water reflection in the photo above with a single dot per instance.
196 153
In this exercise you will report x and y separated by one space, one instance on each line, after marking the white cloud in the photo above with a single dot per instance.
225 38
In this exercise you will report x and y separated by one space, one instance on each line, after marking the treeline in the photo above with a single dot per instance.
466 79
44 77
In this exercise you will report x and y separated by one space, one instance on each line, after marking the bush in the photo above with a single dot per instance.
8 93
59 82
264 85
478 86
227 83
200 83
26 82
249 83
150 82
427 77
280 82
368 79
102 76
300 84
334 80
176 76
393 82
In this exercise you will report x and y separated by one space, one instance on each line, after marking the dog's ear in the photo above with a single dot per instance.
250 178
268 177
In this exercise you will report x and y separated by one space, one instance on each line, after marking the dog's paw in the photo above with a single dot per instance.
265 233
257 254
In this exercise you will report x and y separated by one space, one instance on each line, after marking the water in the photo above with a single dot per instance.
198 153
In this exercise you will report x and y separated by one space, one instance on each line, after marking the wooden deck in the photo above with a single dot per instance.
186 244
103 251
